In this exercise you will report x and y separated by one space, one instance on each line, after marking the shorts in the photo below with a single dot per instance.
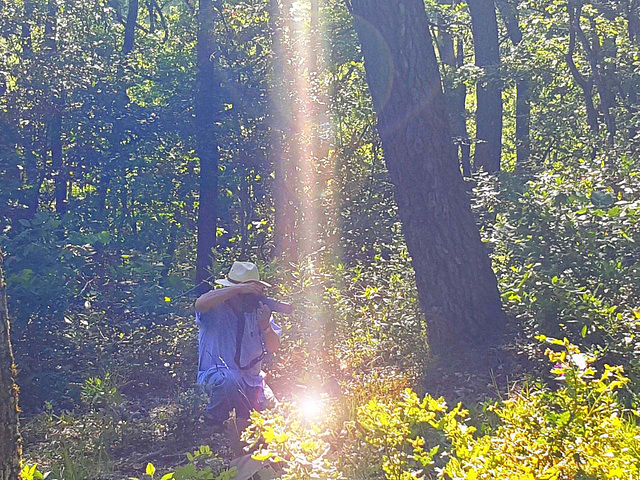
226 392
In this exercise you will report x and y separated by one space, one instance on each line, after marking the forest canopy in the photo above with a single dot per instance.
447 193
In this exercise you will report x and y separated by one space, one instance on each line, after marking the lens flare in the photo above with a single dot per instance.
311 408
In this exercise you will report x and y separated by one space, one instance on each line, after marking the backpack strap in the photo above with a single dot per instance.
240 326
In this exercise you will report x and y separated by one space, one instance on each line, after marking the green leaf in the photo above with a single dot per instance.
583 332
167 476
614 211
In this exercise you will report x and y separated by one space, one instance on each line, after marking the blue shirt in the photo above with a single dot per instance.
217 343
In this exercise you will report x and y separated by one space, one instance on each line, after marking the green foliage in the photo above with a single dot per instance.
193 470
30 472
99 392
565 247
104 287
576 430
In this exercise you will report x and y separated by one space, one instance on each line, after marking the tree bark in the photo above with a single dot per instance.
488 92
281 149
457 288
461 117
34 178
453 57
130 27
633 20
152 16
523 107
25 33
10 441
586 84
57 161
207 92
606 92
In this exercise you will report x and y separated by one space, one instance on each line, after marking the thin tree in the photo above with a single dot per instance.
130 27
488 91
34 176
457 288
523 107
584 81
632 10
207 87
595 56
120 105
10 441
452 56
282 143
55 121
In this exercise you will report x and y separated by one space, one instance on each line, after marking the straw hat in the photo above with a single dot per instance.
242 272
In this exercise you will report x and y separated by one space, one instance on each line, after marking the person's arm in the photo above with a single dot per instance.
213 298
271 338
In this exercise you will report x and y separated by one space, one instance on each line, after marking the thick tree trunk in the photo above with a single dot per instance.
206 143
523 107
10 442
488 92
281 149
457 288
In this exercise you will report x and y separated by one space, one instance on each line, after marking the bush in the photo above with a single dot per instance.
577 431
566 251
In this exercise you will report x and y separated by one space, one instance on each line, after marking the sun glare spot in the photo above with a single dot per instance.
311 408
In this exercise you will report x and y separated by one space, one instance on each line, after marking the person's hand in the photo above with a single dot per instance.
264 315
251 288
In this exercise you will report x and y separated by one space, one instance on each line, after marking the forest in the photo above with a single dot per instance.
442 196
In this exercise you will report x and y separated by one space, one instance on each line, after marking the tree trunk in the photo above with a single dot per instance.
25 33
206 143
152 16
457 288
55 122
461 117
586 84
523 107
606 90
10 441
456 95
281 149
489 91
633 19
57 162
34 178
130 27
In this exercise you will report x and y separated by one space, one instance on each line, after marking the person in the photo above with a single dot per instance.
236 333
